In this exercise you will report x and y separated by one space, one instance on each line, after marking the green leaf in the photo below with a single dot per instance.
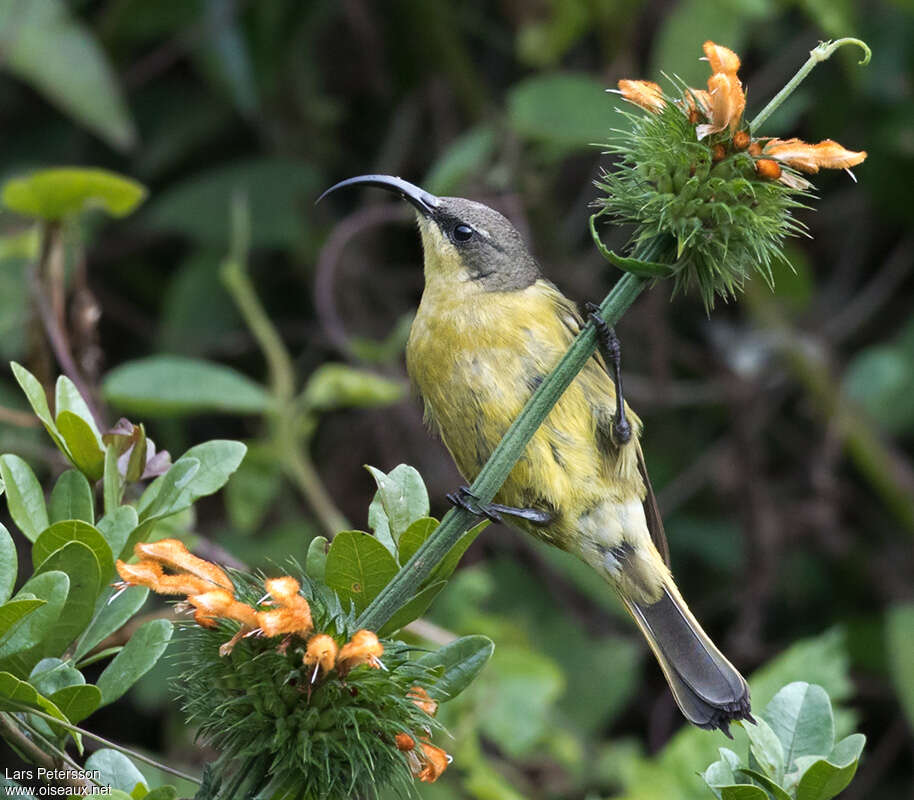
378 522
333 386
466 156
825 778
8 565
83 448
201 471
899 632
115 770
23 496
721 773
253 489
412 609
12 612
52 674
403 497
34 393
743 791
113 483
116 527
316 562
414 536
11 688
51 587
358 567
449 563
77 702
566 110
276 190
68 398
58 55
767 748
461 661
774 789
801 717
79 562
110 616
53 194
71 498
135 660
172 386
643 269
74 530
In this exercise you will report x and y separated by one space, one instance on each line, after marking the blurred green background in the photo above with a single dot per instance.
779 431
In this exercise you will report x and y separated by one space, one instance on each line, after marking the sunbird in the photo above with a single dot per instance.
489 328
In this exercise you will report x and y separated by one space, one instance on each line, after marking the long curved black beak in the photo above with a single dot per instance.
424 202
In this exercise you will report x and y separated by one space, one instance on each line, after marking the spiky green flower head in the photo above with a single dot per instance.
293 723
710 205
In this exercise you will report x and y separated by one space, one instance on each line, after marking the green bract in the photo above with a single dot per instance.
714 223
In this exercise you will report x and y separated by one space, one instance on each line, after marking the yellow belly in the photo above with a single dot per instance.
476 360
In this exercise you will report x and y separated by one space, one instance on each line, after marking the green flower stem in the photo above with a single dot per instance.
407 581
288 438
817 55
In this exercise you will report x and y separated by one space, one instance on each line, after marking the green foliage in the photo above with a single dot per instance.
51 628
172 386
54 194
792 752
59 56
339 386
899 631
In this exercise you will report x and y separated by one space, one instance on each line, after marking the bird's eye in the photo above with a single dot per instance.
463 233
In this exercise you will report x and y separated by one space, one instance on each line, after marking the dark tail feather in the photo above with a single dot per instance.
708 689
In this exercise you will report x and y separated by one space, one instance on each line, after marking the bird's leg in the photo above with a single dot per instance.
465 499
611 351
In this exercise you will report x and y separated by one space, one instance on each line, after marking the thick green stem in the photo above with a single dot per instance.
817 55
406 582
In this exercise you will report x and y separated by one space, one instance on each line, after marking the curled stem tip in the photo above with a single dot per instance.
816 56
825 49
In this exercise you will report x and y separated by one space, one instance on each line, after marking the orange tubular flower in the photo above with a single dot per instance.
646 94
810 157
436 761
721 59
321 653
173 554
293 614
405 742
221 604
421 698
363 648
727 104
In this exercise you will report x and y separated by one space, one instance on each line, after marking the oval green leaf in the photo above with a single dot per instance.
110 616
460 663
77 702
138 656
414 536
334 386
23 496
171 386
316 562
74 530
116 770
8 564
82 446
53 194
403 497
358 567
412 609
52 587
800 715
71 498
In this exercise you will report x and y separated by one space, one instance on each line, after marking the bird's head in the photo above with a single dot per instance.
464 241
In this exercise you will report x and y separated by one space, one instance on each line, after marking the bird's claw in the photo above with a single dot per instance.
465 499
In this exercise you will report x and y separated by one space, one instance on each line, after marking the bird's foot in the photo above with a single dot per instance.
464 498
611 350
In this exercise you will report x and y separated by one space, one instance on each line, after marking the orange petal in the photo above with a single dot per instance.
220 603
436 761
280 621
646 94
721 58
768 169
321 652
173 554
145 573
363 648
727 103
404 741
810 157
283 589
421 698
